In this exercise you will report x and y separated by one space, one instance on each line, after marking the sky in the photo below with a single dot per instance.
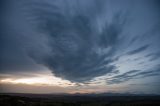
80 46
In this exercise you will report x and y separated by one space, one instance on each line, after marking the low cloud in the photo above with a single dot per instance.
134 74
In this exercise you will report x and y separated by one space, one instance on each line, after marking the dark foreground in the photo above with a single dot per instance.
77 100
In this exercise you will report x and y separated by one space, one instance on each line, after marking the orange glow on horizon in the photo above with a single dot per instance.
41 80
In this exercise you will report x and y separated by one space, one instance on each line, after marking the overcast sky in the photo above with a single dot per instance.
80 46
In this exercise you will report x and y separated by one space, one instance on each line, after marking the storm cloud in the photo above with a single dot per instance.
77 40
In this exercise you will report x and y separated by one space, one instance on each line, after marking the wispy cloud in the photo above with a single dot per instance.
134 74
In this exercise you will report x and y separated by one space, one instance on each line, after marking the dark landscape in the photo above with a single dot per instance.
79 100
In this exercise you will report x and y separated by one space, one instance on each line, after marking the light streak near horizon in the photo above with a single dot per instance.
42 80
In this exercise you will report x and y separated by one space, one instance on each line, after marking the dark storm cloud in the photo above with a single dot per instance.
76 46
77 40
71 51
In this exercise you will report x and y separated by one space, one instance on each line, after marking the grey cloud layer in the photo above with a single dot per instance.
76 40
133 74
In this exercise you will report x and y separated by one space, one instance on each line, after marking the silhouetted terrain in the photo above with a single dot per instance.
78 100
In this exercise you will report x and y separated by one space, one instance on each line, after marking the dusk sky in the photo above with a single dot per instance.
80 46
